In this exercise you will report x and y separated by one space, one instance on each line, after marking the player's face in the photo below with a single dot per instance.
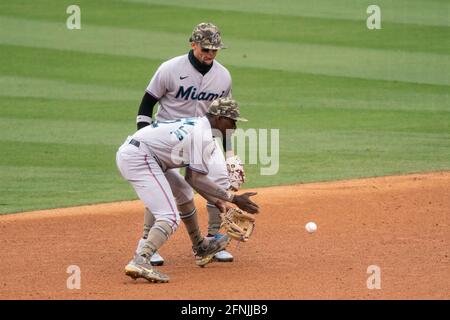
203 55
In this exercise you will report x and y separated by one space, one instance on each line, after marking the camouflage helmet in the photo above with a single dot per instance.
207 35
225 107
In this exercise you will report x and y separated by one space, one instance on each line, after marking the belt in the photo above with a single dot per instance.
135 143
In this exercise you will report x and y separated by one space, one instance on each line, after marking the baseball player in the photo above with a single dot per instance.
184 87
144 157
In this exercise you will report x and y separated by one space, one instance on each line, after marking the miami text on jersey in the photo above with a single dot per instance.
190 93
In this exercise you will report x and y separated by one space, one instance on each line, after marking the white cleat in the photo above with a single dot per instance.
223 256
156 259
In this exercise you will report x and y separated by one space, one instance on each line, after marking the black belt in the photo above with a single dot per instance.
135 143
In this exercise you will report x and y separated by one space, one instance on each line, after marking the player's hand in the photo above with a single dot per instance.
244 203
222 206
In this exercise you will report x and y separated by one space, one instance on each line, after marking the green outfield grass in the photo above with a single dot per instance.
348 102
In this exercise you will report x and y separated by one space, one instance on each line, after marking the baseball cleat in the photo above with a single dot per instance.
141 267
205 251
222 256
156 259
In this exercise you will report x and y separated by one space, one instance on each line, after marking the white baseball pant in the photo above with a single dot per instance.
149 182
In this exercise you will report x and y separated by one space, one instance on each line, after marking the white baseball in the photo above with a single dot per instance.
311 227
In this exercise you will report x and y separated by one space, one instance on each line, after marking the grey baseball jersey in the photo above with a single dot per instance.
143 158
179 143
184 92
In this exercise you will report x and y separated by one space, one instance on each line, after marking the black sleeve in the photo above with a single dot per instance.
226 143
146 108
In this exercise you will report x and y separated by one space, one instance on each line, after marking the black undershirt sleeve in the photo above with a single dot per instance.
146 108
226 143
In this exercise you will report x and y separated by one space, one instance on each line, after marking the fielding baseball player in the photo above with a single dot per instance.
184 87
144 157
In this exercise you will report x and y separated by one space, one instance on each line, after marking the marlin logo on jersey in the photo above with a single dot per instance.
190 92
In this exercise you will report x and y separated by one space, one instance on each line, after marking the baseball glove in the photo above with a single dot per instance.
236 172
238 224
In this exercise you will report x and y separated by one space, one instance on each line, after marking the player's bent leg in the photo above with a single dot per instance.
149 220
219 174
214 222
158 235
203 248
184 195
140 266
153 189
214 219
188 214
181 190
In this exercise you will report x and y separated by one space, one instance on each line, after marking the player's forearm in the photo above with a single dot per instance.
203 185
207 197
145 112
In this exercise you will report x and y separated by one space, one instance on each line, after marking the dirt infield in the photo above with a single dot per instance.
400 224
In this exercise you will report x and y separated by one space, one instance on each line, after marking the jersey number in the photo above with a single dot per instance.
180 133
